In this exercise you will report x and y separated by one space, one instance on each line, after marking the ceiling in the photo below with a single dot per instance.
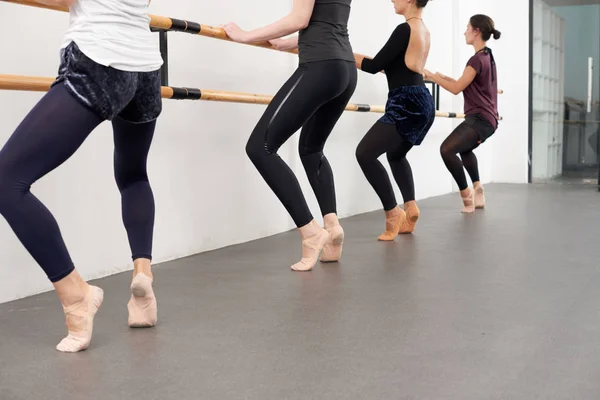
570 2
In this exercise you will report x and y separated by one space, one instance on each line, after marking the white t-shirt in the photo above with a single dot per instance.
115 33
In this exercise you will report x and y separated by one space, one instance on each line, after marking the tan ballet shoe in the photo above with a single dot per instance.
393 221
311 248
332 252
412 216
80 321
142 307
479 197
469 202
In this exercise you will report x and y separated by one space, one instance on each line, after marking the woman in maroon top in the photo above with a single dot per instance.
479 85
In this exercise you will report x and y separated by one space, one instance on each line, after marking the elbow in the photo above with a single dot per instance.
455 91
300 21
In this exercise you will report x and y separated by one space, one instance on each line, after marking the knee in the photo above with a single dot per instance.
257 150
446 151
362 155
307 154
126 176
254 150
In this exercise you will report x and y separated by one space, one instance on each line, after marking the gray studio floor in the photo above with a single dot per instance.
503 304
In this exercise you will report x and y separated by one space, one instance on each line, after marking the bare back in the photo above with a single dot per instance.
418 46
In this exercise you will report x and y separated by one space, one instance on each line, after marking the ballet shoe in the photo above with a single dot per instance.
142 307
469 202
80 321
410 222
393 222
311 248
332 252
479 197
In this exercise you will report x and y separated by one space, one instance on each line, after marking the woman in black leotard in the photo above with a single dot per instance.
410 112
313 99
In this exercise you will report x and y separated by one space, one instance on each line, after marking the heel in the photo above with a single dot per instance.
469 203
332 252
412 216
141 285
479 198
392 226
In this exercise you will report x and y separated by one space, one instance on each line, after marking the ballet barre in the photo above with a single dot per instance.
42 84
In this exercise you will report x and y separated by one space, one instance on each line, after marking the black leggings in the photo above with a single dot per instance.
463 140
49 135
383 138
313 99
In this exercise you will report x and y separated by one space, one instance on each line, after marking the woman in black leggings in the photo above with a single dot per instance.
313 99
409 114
479 85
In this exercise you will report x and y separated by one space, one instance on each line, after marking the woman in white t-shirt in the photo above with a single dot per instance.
110 70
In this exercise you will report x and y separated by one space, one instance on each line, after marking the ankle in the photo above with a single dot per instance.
310 229
409 204
71 289
394 212
143 266
465 193
330 220
477 185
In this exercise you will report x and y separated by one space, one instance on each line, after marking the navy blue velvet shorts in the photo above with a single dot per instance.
412 110
109 92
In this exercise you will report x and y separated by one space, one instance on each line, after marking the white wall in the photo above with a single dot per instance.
208 194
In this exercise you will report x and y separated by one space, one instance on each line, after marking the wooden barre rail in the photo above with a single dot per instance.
174 25
41 84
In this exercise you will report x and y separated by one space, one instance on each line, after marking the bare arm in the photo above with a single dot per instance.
285 44
452 85
295 21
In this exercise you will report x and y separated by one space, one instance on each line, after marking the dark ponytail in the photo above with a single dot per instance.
422 3
485 25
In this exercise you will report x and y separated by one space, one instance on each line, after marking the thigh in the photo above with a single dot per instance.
52 131
400 151
481 125
380 139
293 105
133 140
318 128
462 140
146 104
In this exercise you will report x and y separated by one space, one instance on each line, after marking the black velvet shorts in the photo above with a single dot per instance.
481 125
109 92
412 111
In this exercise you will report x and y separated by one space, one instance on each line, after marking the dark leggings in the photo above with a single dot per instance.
463 140
313 99
383 138
53 130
